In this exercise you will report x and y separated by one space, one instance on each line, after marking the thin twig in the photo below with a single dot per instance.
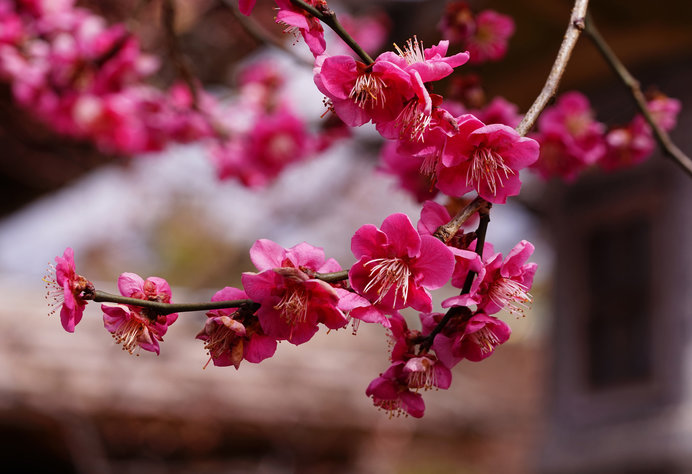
574 29
332 277
447 231
167 308
663 139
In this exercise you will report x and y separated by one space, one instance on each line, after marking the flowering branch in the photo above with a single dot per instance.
260 34
662 137
576 26
99 296
328 17
484 211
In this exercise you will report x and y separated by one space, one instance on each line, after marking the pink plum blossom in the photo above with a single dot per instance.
390 392
423 65
490 38
628 146
360 93
458 22
573 139
135 326
421 370
501 284
66 289
396 265
232 335
664 110
292 301
473 339
298 20
485 158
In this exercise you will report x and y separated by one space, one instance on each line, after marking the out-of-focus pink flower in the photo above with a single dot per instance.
246 6
406 168
664 111
499 110
298 20
489 40
396 264
486 158
574 140
390 392
293 303
501 284
370 32
231 335
65 289
257 157
458 22
136 326
628 146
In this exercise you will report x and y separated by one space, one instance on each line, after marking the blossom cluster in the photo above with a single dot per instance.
452 145
89 80
572 140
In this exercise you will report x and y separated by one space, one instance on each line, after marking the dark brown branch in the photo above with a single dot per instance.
663 139
447 231
166 308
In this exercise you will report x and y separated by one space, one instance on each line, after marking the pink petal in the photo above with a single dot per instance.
130 284
434 266
266 254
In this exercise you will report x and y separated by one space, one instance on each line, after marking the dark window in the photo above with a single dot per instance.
619 323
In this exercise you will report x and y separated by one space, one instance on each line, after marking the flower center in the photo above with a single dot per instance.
412 122
487 166
510 294
412 52
485 339
294 306
368 91
55 294
387 273
425 377
130 333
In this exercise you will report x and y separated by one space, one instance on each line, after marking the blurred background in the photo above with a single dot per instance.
597 377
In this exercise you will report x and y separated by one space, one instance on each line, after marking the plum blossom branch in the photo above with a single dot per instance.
484 212
99 296
260 34
328 17
574 29
662 137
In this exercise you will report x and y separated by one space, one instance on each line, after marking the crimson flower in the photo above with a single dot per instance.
397 265
293 303
66 289
134 326
231 335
